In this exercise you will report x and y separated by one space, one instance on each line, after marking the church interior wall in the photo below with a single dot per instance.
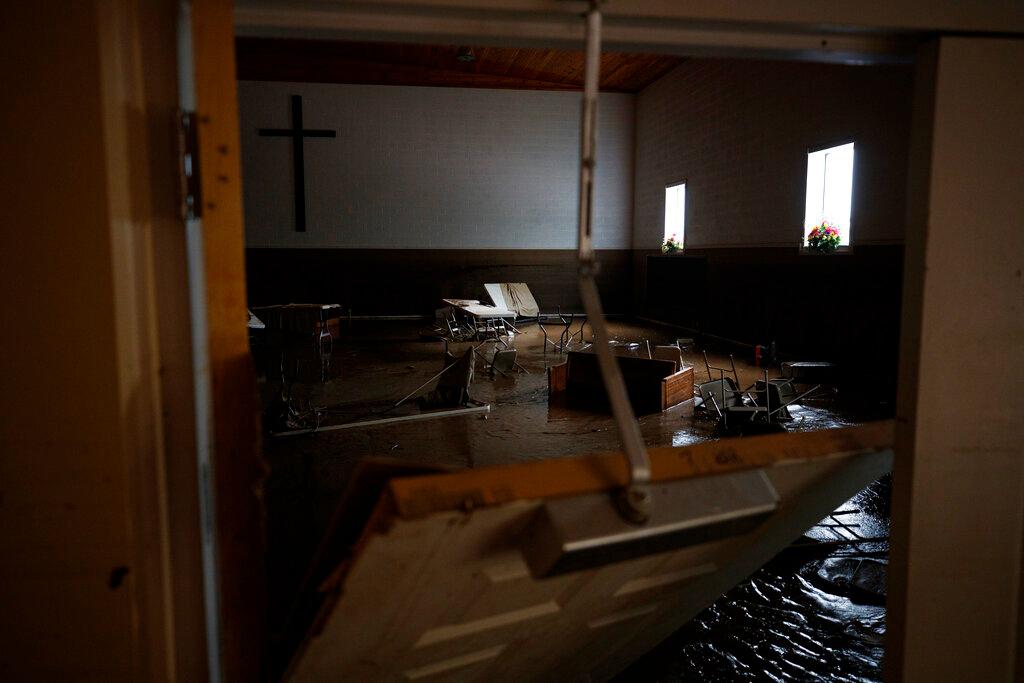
429 192
738 133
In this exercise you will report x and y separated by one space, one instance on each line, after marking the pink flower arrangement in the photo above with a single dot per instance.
823 238
671 245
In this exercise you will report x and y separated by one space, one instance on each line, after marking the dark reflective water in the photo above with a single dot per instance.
802 617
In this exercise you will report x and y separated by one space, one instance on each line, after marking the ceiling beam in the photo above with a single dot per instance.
440 22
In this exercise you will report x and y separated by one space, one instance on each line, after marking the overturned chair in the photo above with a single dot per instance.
757 409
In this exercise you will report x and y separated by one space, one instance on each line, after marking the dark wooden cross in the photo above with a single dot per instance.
297 133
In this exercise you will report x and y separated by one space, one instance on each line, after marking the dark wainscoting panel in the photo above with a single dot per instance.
843 307
412 281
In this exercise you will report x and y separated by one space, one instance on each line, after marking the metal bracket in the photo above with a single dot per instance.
188 166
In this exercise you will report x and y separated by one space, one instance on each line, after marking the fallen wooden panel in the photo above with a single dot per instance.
437 587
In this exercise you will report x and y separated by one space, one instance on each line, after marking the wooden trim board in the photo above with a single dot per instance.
419 496
238 470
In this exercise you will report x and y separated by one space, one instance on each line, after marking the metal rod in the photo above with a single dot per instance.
629 431
634 505
714 403
486 408
588 133
417 389
801 545
845 525
487 364
784 405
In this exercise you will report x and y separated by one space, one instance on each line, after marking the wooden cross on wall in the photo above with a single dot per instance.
297 133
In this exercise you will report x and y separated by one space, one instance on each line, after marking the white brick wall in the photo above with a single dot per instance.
441 168
738 132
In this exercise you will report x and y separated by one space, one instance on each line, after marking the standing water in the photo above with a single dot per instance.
808 615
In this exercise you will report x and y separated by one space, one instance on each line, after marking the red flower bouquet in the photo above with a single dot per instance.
823 238
671 245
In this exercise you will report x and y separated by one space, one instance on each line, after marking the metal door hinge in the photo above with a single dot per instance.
188 160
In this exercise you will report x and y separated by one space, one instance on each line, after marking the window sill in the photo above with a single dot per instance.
841 251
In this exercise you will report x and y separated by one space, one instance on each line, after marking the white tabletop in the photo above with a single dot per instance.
479 310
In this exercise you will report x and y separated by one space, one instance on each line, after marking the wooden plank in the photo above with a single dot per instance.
238 469
677 388
336 61
419 496
155 25
557 377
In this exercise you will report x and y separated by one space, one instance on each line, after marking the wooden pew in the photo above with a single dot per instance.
653 384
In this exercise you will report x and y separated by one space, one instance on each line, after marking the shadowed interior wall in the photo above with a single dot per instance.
844 308
383 282
99 576
428 192
66 489
738 133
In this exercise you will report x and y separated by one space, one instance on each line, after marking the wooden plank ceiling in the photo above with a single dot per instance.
322 61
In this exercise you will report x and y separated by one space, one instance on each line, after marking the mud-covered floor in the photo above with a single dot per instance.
376 363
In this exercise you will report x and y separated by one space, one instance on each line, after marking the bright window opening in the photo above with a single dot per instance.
675 213
830 190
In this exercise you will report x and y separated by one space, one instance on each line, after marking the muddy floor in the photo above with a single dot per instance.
374 364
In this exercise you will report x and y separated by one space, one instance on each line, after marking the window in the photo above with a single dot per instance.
675 213
830 190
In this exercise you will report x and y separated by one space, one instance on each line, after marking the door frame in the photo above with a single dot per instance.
238 471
